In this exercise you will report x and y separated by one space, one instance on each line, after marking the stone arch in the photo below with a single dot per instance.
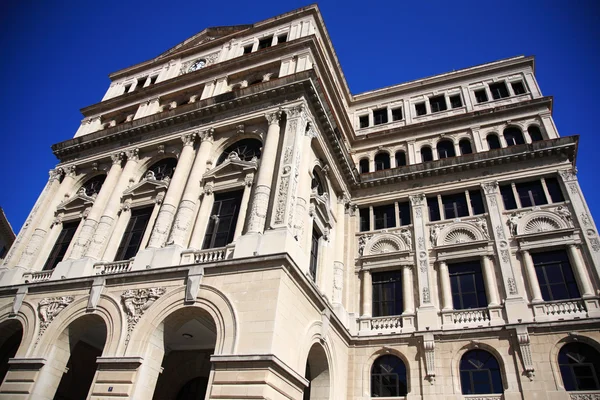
366 372
226 142
459 232
493 141
318 371
383 156
479 346
26 317
513 134
384 243
534 130
553 360
539 221
11 337
146 163
364 165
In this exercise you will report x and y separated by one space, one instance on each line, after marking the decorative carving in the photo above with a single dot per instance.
136 302
568 174
117 158
385 245
338 282
573 188
208 188
71 170
249 180
504 254
417 199
500 233
585 219
49 308
482 225
512 285
419 212
429 350
159 198
564 213
459 235
273 118
189 138
426 295
295 111
406 235
282 197
423 265
434 232
207 135
584 396
421 242
490 187
513 222
540 224
133 155
525 347
362 242
258 212
56 174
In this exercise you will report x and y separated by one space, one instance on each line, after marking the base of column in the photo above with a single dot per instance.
273 241
12 276
517 310
115 377
74 268
157 258
21 377
592 305
427 317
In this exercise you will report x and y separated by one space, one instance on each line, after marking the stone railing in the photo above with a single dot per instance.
34 277
595 395
116 267
483 397
565 307
472 316
206 256
386 323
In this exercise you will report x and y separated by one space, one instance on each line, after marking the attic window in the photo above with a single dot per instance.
264 43
481 96
363 121
518 88
282 38
397 114
248 49
153 79
140 83
499 90
420 109
455 101
127 88
380 116
438 103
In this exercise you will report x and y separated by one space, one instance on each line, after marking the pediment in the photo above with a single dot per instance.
320 206
76 202
146 187
231 167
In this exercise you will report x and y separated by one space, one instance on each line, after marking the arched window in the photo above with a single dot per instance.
445 149
245 149
480 373
465 146
162 169
426 154
513 136
92 186
579 366
493 141
388 377
363 166
534 133
400 159
382 161
317 185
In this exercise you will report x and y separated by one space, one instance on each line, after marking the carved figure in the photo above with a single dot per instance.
564 213
513 221
480 222
434 232
407 236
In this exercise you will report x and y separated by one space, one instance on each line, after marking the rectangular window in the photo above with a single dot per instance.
531 194
387 293
222 221
499 90
153 79
127 88
314 255
420 109
264 43
61 245
380 116
282 38
365 219
397 114
455 206
476 202
385 216
363 121
434 208
455 101
518 88
554 190
555 275
248 49
466 281
438 103
134 233
508 197
481 96
404 209
140 83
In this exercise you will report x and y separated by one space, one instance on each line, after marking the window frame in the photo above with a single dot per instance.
465 269
61 246
387 295
399 371
125 243
212 231
569 283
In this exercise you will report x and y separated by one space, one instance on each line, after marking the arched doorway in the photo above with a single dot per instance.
11 334
81 342
188 339
317 373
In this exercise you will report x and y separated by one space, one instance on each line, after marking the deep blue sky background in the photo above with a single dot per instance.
56 59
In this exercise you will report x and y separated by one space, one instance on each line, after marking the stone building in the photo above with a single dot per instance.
7 236
230 222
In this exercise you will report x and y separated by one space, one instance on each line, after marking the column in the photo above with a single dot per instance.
408 290
183 224
200 226
304 189
534 285
340 241
83 239
580 271
166 214
367 294
446 288
489 277
102 233
37 238
239 226
262 193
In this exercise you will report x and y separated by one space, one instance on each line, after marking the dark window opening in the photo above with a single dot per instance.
499 90
555 275
134 233
531 194
476 202
140 83
420 109
317 184
163 169
518 88
397 114
404 209
493 141
314 255
481 96
400 159
248 49
513 137
365 219
264 43
363 166
153 79
282 38
455 101
468 289
380 116
455 206
363 121
554 189
387 293
388 377
445 149
426 154
385 216
61 245
382 161
480 373
534 133
465 146
245 150
92 186
579 365
127 88
508 197
222 221
434 208
438 103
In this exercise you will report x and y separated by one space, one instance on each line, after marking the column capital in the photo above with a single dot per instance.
207 135
417 199
189 138
71 170
295 111
117 157
274 117
56 174
490 187
249 179
310 132
133 154
208 188
568 174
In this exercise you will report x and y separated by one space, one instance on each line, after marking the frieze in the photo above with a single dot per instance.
512 285
136 302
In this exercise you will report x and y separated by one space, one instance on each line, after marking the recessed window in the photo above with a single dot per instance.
382 161
579 365
222 220
513 136
534 133
426 154
365 219
388 377
163 169
498 90
380 116
400 159
508 197
385 216
92 186
264 43
314 254
455 101
134 233
555 275
481 96
127 88
531 194
480 373
387 293
465 146
397 114
282 38
493 141
140 83
363 121
476 202
438 103
455 206
404 209
445 149
61 245
420 109
248 49
153 79
363 166
466 281
554 190
518 88
245 150
434 208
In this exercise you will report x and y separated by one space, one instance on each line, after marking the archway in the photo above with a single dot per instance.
81 342
188 339
317 373
11 334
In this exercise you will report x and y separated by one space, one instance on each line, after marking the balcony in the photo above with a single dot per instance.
589 395
116 267
493 396
391 324
206 256
560 310
472 317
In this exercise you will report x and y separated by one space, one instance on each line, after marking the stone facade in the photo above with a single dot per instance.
229 221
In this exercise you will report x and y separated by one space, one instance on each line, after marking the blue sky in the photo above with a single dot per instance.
56 60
